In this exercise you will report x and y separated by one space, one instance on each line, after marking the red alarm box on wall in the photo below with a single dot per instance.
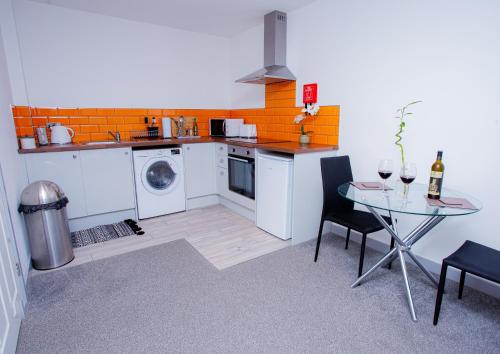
310 93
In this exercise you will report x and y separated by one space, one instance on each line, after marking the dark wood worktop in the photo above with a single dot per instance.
292 147
123 143
288 147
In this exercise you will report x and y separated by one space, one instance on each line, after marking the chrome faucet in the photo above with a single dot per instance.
115 136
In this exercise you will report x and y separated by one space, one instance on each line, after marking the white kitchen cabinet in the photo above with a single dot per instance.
199 168
221 160
108 180
221 148
62 168
222 181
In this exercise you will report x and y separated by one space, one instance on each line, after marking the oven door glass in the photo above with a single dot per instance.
242 176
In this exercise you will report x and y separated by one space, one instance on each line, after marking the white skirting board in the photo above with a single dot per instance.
241 210
101 219
453 274
201 202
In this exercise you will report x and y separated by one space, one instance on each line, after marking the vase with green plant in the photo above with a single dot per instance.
408 170
310 109
402 115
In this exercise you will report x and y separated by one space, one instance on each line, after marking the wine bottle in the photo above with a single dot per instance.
195 126
436 181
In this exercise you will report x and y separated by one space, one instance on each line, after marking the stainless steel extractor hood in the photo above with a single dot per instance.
275 69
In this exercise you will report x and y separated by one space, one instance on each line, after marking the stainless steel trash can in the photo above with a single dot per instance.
44 206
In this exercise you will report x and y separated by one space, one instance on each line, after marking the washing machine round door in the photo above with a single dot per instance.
160 175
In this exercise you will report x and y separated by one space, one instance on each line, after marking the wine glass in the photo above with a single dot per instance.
385 170
408 174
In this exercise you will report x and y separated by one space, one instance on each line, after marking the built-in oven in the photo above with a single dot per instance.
241 165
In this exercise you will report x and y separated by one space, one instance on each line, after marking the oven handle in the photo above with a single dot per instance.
241 160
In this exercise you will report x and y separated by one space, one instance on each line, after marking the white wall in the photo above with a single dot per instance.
13 169
78 59
372 57
12 52
247 56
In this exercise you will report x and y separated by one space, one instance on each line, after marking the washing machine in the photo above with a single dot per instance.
159 182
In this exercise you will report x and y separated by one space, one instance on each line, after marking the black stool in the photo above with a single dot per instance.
473 258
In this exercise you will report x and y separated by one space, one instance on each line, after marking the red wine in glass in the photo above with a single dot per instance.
384 174
407 179
408 174
385 170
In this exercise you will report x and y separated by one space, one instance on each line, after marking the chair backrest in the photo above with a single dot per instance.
334 172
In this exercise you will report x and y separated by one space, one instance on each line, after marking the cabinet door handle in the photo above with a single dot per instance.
126 152
188 148
74 156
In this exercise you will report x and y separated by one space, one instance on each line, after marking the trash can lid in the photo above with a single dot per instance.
41 192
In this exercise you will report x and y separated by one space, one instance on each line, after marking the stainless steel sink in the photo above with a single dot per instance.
101 142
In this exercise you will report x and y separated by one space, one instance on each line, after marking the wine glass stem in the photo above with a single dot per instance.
406 189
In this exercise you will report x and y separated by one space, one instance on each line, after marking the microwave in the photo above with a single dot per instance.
225 127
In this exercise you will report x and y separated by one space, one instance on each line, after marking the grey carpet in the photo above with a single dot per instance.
100 233
169 299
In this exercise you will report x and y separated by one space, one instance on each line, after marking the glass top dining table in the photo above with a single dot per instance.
414 202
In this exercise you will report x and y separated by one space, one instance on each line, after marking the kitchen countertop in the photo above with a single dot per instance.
288 147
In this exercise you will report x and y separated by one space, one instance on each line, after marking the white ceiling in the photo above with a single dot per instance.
218 17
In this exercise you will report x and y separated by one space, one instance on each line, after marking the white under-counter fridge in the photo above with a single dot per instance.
274 194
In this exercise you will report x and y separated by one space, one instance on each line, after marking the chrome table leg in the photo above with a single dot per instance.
403 245
407 284
433 221
413 236
378 264
421 266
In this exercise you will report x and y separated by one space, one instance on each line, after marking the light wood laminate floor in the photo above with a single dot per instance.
223 237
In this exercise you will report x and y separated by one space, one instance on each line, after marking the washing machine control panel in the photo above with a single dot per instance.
175 151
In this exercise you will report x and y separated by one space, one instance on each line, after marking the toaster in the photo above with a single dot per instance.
248 131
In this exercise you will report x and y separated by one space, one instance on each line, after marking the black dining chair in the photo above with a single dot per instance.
473 258
339 210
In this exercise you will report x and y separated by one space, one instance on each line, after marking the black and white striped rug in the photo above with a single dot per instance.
100 233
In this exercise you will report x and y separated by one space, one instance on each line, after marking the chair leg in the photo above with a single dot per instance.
347 238
389 266
461 285
319 239
362 255
439 297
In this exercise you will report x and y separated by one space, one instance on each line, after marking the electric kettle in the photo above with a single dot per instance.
59 134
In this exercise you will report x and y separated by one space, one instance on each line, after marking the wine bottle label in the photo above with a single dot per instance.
435 184
436 174
433 188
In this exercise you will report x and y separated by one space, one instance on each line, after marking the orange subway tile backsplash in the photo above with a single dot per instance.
274 121
22 121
